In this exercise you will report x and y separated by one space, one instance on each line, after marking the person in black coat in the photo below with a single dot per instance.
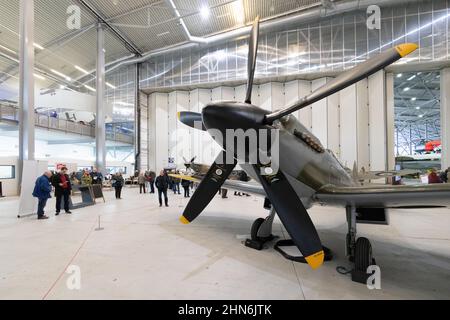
186 185
118 183
162 184
63 187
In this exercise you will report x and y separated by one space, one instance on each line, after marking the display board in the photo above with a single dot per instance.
97 192
87 198
31 170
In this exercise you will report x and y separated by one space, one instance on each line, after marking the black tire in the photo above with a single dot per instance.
255 228
363 254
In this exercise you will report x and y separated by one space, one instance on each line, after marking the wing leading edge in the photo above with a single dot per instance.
409 196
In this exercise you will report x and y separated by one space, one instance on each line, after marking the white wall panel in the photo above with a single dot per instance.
390 122
362 111
162 130
445 118
239 93
271 96
319 116
304 89
143 100
377 120
201 143
334 120
152 132
348 115
173 119
223 94
291 95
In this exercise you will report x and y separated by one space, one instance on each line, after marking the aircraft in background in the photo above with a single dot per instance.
434 146
309 174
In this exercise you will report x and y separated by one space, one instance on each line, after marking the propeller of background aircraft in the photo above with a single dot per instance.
234 115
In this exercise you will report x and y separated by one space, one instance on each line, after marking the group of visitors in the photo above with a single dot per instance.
62 183
43 188
146 181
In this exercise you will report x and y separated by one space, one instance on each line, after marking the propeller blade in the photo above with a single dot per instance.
346 79
252 55
294 216
185 160
191 119
207 189
193 159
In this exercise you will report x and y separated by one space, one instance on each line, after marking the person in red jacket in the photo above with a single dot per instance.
433 177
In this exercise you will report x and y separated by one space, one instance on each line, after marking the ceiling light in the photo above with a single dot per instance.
39 76
110 85
420 115
399 75
82 70
62 87
204 12
411 78
413 99
61 75
417 108
89 88
36 45
406 89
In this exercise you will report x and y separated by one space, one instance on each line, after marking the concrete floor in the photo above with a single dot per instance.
145 253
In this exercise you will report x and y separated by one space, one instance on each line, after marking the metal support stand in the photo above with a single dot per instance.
261 232
99 227
265 230
351 235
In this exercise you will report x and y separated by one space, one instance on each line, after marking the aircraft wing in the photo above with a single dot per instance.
240 186
385 196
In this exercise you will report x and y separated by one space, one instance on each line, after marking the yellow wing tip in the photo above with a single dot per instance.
183 220
316 260
406 48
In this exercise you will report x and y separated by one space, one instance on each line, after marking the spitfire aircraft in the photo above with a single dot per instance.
308 173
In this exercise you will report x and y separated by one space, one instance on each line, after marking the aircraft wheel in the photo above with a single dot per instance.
363 254
255 228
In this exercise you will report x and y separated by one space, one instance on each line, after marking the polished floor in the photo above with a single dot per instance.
143 252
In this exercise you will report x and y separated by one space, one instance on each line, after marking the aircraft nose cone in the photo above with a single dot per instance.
232 115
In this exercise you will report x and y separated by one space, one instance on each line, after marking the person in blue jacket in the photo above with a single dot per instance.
42 189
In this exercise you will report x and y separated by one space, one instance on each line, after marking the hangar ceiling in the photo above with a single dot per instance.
145 24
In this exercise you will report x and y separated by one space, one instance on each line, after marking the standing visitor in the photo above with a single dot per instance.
42 190
186 186
118 183
63 187
162 184
141 182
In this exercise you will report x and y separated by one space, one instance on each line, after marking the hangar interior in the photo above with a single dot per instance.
100 84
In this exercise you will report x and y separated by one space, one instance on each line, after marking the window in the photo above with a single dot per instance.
7 172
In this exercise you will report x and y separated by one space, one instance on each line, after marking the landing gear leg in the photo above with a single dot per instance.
358 250
351 235
261 232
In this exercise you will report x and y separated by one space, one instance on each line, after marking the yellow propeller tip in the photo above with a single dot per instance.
315 260
179 115
406 48
183 220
